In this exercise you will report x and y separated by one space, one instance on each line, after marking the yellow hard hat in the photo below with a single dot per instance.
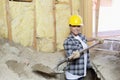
75 20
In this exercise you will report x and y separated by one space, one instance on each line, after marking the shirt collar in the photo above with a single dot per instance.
72 36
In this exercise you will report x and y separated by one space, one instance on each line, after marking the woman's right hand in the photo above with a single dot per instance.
74 55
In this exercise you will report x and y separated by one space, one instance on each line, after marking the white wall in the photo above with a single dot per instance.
109 17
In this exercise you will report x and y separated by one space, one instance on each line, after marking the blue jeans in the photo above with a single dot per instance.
80 78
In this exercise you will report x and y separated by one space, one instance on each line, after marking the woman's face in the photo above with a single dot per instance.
75 30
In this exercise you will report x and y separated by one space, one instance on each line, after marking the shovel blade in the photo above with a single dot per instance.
43 69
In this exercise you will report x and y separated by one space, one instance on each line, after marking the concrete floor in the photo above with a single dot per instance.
106 61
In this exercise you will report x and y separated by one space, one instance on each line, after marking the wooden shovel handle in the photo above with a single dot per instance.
67 59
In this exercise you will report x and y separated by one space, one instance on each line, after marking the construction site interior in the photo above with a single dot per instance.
32 33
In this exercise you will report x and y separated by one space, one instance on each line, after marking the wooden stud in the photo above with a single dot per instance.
97 17
81 12
8 18
70 6
34 29
60 2
86 13
54 17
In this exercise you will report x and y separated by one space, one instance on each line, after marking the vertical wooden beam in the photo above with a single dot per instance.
34 30
54 17
86 13
97 17
8 18
81 10
82 14
70 1
88 18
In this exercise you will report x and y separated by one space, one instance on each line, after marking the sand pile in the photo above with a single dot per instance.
16 62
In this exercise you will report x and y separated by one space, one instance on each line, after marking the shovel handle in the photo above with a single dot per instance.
67 59
89 47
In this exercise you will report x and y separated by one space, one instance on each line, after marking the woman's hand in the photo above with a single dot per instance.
100 40
74 55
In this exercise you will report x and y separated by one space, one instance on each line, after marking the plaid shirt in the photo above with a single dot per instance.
71 44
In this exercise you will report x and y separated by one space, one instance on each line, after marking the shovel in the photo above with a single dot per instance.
51 72
67 59
81 52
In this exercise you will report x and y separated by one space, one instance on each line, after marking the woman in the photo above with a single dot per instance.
75 42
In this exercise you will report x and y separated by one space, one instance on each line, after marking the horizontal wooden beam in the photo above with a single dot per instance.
61 2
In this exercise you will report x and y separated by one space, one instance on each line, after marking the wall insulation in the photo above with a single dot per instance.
49 18
45 29
22 22
3 25
62 28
